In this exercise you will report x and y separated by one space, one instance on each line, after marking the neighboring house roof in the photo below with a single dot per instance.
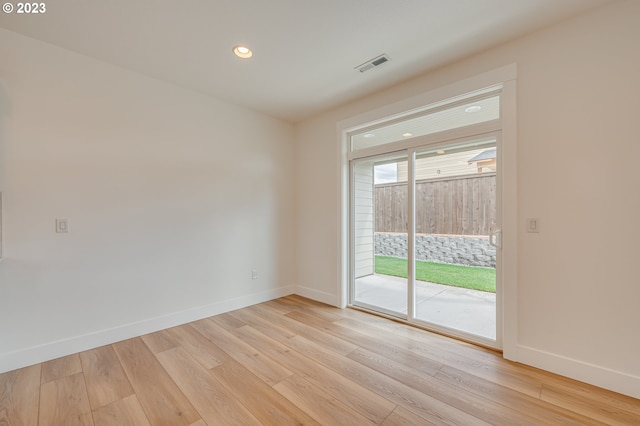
489 154
485 160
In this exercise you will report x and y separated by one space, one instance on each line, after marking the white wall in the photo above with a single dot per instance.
172 199
578 144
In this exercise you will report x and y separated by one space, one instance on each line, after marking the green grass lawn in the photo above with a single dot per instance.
472 277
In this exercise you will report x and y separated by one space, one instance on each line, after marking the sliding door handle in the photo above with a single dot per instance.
495 238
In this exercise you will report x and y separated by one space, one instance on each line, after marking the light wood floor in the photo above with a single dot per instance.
294 361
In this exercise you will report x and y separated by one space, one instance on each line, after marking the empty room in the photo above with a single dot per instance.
347 212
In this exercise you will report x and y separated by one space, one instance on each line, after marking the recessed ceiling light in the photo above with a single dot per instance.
242 52
474 108
407 135
369 135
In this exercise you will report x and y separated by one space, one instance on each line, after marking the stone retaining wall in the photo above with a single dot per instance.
456 249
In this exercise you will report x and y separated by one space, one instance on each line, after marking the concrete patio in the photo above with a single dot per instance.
471 311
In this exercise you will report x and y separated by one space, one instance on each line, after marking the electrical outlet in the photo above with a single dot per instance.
254 274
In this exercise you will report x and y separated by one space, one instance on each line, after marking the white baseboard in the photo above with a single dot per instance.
319 296
52 350
617 381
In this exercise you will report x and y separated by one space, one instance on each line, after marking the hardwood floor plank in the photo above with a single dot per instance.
423 405
545 413
105 379
458 397
394 352
160 398
358 398
463 356
322 311
227 321
61 367
286 304
374 326
363 321
277 306
266 318
593 395
65 402
123 412
213 401
159 341
300 300
263 367
20 396
262 400
322 407
257 320
474 360
406 333
403 417
601 411
200 348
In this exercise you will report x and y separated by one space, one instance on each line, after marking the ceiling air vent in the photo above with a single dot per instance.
372 63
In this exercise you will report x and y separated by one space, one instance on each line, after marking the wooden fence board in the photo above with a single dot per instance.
460 206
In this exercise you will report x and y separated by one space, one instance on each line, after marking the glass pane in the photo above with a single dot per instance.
459 116
380 220
455 213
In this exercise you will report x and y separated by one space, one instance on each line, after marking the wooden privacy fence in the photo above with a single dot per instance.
464 205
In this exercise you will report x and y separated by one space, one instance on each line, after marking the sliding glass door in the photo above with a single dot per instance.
425 220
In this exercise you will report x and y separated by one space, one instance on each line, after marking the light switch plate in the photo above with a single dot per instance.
62 225
533 225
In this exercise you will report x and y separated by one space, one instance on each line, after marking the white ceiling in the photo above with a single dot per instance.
305 51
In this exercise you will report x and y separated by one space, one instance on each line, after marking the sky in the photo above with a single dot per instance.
385 173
